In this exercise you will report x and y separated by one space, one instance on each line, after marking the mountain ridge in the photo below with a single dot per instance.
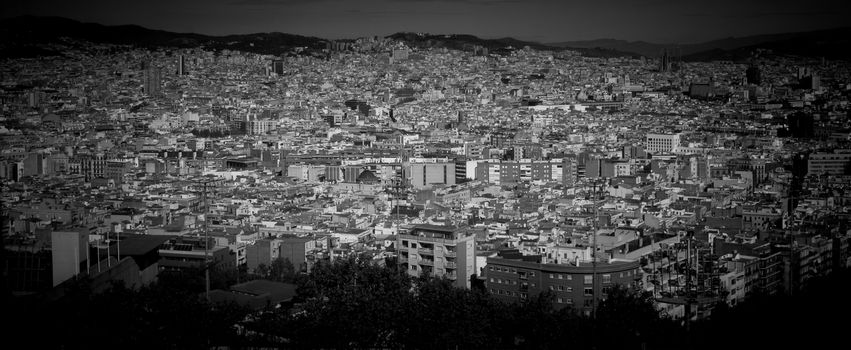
24 32
833 43
22 36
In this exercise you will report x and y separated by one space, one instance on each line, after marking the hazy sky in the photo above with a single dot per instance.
661 21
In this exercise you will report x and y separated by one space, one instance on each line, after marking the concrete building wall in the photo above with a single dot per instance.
69 250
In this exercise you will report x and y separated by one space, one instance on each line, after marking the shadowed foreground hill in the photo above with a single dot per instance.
355 304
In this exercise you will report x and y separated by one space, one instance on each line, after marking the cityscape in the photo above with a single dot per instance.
421 190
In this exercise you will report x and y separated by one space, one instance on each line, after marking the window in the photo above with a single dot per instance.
532 274
589 279
589 291
568 300
560 276
560 287
490 268
523 295
569 289
569 277
491 279
607 278
413 245
560 301
405 243
621 276
553 287
589 303
552 276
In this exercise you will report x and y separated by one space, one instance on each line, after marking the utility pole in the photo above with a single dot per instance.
594 284
205 182
206 246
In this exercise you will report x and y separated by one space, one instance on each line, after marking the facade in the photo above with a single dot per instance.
151 79
836 163
179 254
753 75
278 67
254 126
497 172
428 174
298 251
511 277
70 252
115 170
438 251
661 143
263 251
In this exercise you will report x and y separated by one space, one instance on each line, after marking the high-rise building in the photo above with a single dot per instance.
665 61
801 125
278 67
181 65
438 251
811 82
753 75
151 81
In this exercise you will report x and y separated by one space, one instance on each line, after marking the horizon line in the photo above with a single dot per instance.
486 37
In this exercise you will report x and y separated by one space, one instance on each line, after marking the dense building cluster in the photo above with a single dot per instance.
524 170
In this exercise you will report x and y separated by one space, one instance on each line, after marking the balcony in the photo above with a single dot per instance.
451 276
403 259
426 262
451 265
425 251
450 254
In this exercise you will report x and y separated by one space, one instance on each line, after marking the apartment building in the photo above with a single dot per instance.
511 276
439 251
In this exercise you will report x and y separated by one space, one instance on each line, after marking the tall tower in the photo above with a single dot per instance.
151 80
278 67
181 65
665 61
753 75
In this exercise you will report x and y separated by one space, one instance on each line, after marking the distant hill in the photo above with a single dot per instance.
24 32
22 36
639 47
830 43
467 42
